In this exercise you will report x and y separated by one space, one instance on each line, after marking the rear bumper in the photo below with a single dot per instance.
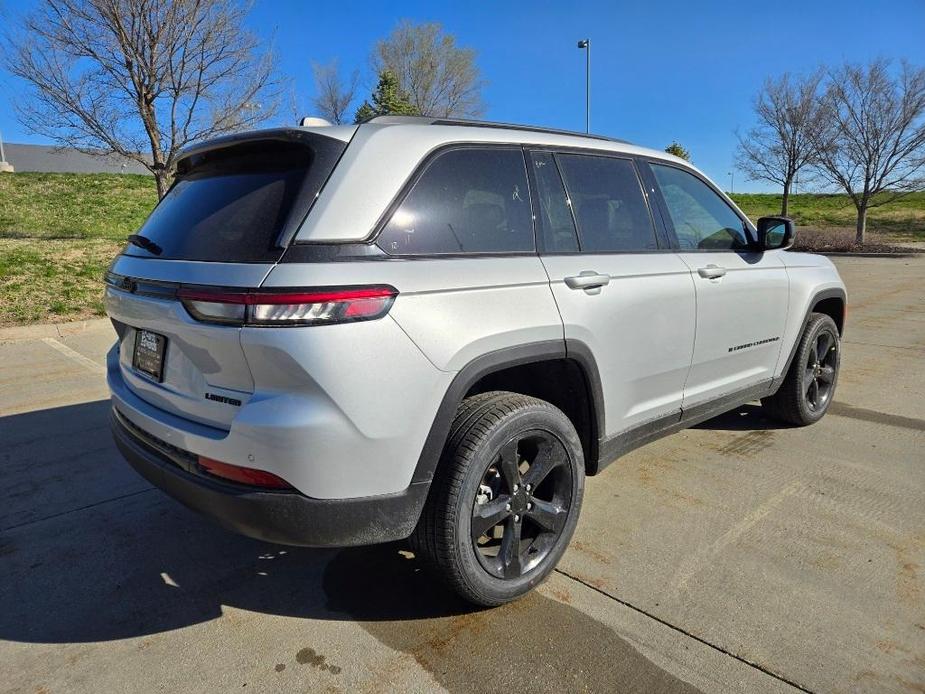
274 516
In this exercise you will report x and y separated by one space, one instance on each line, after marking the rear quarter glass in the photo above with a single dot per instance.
239 203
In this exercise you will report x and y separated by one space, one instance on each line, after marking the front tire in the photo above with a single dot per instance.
809 387
505 500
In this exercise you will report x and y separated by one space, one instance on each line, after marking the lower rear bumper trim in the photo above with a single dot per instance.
286 518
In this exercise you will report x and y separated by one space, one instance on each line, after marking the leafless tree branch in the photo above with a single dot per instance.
781 145
333 96
141 78
873 142
440 78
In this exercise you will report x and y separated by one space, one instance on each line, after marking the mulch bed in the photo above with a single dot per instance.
843 241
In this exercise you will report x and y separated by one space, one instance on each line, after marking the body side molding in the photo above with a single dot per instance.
647 432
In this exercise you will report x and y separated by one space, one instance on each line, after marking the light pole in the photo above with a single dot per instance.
732 182
586 44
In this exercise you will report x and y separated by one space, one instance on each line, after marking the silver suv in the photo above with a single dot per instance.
433 329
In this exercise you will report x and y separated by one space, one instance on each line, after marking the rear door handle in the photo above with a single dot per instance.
711 272
589 280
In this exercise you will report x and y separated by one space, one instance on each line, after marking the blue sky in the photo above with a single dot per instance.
660 70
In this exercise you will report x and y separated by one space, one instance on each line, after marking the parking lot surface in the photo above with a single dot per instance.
737 556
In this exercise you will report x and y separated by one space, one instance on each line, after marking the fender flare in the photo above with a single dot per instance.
499 360
833 293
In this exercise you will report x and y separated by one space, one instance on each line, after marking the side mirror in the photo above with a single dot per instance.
775 233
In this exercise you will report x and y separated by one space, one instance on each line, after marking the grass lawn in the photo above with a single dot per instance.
52 280
901 220
59 232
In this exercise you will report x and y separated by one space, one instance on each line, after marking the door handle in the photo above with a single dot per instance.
711 272
589 280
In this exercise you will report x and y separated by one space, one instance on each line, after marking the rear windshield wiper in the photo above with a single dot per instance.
146 243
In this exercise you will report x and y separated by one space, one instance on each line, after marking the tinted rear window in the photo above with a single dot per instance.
468 200
609 206
555 215
235 204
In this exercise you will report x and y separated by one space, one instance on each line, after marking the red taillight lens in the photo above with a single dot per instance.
243 475
310 307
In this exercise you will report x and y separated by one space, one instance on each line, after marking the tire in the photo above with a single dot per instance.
477 486
809 387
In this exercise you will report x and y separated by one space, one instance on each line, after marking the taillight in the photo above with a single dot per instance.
289 307
243 475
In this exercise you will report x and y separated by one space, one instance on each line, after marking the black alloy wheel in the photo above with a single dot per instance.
808 389
521 505
821 365
505 499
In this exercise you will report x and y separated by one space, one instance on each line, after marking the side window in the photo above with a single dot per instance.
609 205
468 200
554 218
701 218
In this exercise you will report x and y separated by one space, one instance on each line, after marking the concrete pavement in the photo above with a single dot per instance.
737 556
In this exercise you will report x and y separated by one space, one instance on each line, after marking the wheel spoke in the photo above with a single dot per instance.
827 374
510 549
547 515
511 540
509 464
538 548
823 343
809 375
812 394
487 516
545 462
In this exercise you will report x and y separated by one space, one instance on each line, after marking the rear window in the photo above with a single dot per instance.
236 204
610 209
468 200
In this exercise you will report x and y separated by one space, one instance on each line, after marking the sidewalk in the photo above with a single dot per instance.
37 331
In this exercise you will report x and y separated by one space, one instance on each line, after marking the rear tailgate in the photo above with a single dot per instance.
224 223
204 370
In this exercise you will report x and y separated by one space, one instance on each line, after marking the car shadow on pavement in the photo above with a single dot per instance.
748 417
89 552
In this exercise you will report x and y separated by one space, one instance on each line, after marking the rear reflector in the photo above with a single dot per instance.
289 307
243 475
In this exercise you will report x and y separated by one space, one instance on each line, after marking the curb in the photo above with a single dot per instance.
40 330
842 254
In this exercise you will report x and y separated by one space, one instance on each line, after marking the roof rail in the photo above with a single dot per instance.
427 120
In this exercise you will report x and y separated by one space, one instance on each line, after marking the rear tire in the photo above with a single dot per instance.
505 500
809 387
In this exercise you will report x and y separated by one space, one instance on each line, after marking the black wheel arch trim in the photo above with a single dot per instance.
498 360
818 297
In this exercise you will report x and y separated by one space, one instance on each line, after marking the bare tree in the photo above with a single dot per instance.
141 78
440 78
873 145
333 96
782 144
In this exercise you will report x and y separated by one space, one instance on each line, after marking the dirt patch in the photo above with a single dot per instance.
595 554
748 445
